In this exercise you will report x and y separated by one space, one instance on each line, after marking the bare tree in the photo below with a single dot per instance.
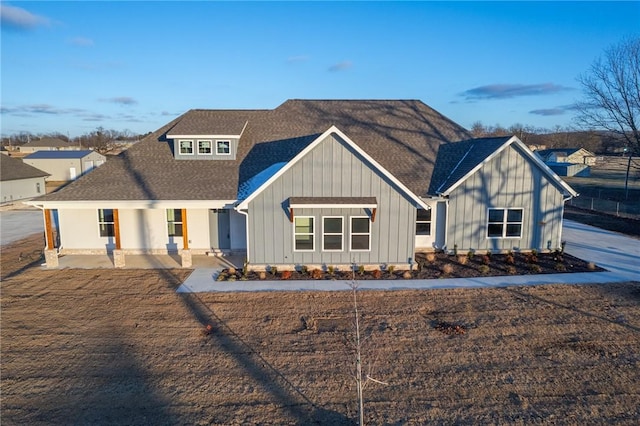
611 90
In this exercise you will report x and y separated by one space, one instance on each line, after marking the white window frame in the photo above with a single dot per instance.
228 142
430 222
180 142
105 222
341 233
351 233
504 223
313 234
174 223
210 147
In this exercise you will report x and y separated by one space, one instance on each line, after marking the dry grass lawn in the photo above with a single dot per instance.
122 347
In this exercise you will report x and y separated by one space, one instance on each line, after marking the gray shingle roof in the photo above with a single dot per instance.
14 169
49 142
402 135
454 161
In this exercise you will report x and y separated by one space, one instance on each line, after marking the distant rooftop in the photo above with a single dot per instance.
58 154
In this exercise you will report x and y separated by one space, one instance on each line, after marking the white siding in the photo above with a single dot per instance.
20 189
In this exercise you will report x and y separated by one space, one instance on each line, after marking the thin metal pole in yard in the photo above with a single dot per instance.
618 208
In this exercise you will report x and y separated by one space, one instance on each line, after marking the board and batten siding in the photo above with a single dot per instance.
331 169
509 180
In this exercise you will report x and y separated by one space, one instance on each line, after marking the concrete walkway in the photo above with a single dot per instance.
619 254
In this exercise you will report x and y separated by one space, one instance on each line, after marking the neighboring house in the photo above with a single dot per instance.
568 161
19 181
49 144
313 183
64 166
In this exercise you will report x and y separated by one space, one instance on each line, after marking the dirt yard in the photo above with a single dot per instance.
122 347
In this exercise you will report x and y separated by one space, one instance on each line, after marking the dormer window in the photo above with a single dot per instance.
186 147
223 147
204 147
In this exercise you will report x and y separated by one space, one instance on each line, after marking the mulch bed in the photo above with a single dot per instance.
438 265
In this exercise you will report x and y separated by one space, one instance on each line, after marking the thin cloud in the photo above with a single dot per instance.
340 66
17 18
298 58
122 100
39 109
506 91
559 110
81 41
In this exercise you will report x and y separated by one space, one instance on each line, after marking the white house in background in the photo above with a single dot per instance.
63 166
49 144
19 181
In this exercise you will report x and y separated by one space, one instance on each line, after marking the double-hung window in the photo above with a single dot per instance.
223 147
186 147
174 222
204 147
332 233
423 222
504 223
106 223
360 234
303 233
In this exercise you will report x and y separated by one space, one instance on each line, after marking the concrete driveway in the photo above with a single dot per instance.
18 224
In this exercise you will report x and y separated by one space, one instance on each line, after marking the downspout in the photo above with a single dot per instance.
564 200
446 222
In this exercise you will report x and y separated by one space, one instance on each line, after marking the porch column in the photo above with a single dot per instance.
118 254
50 252
185 255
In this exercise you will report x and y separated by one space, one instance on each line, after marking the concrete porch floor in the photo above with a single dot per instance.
140 261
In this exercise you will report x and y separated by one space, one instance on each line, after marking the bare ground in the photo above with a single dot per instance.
122 347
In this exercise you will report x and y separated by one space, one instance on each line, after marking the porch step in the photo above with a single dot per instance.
216 253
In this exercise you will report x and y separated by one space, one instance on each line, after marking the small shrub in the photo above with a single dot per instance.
486 259
510 259
221 277
407 275
304 269
535 268
462 259
470 254
232 271
377 274
484 269
231 278
431 257
285 275
245 268
274 270
331 270
317 274
262 275
361 269
511 270
455 249
534 252
560 267
447 269
532 257
391 268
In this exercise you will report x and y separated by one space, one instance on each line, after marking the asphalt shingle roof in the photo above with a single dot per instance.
14 169
401 135
58 154
49 143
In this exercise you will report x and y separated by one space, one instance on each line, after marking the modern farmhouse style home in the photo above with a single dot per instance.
312 182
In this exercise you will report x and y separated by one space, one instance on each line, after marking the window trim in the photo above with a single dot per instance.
313 234
504 223
333 234
430 222
218 141
102 223
174 222
351 233
180 141
210 147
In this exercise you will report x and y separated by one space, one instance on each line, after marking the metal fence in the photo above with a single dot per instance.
618 208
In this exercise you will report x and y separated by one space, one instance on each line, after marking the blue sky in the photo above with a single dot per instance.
71 67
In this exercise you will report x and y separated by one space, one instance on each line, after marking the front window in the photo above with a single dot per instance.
223 147
504 223
332 233
204 147
303 233
106 223
174 222
423 222
186 147
360 234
